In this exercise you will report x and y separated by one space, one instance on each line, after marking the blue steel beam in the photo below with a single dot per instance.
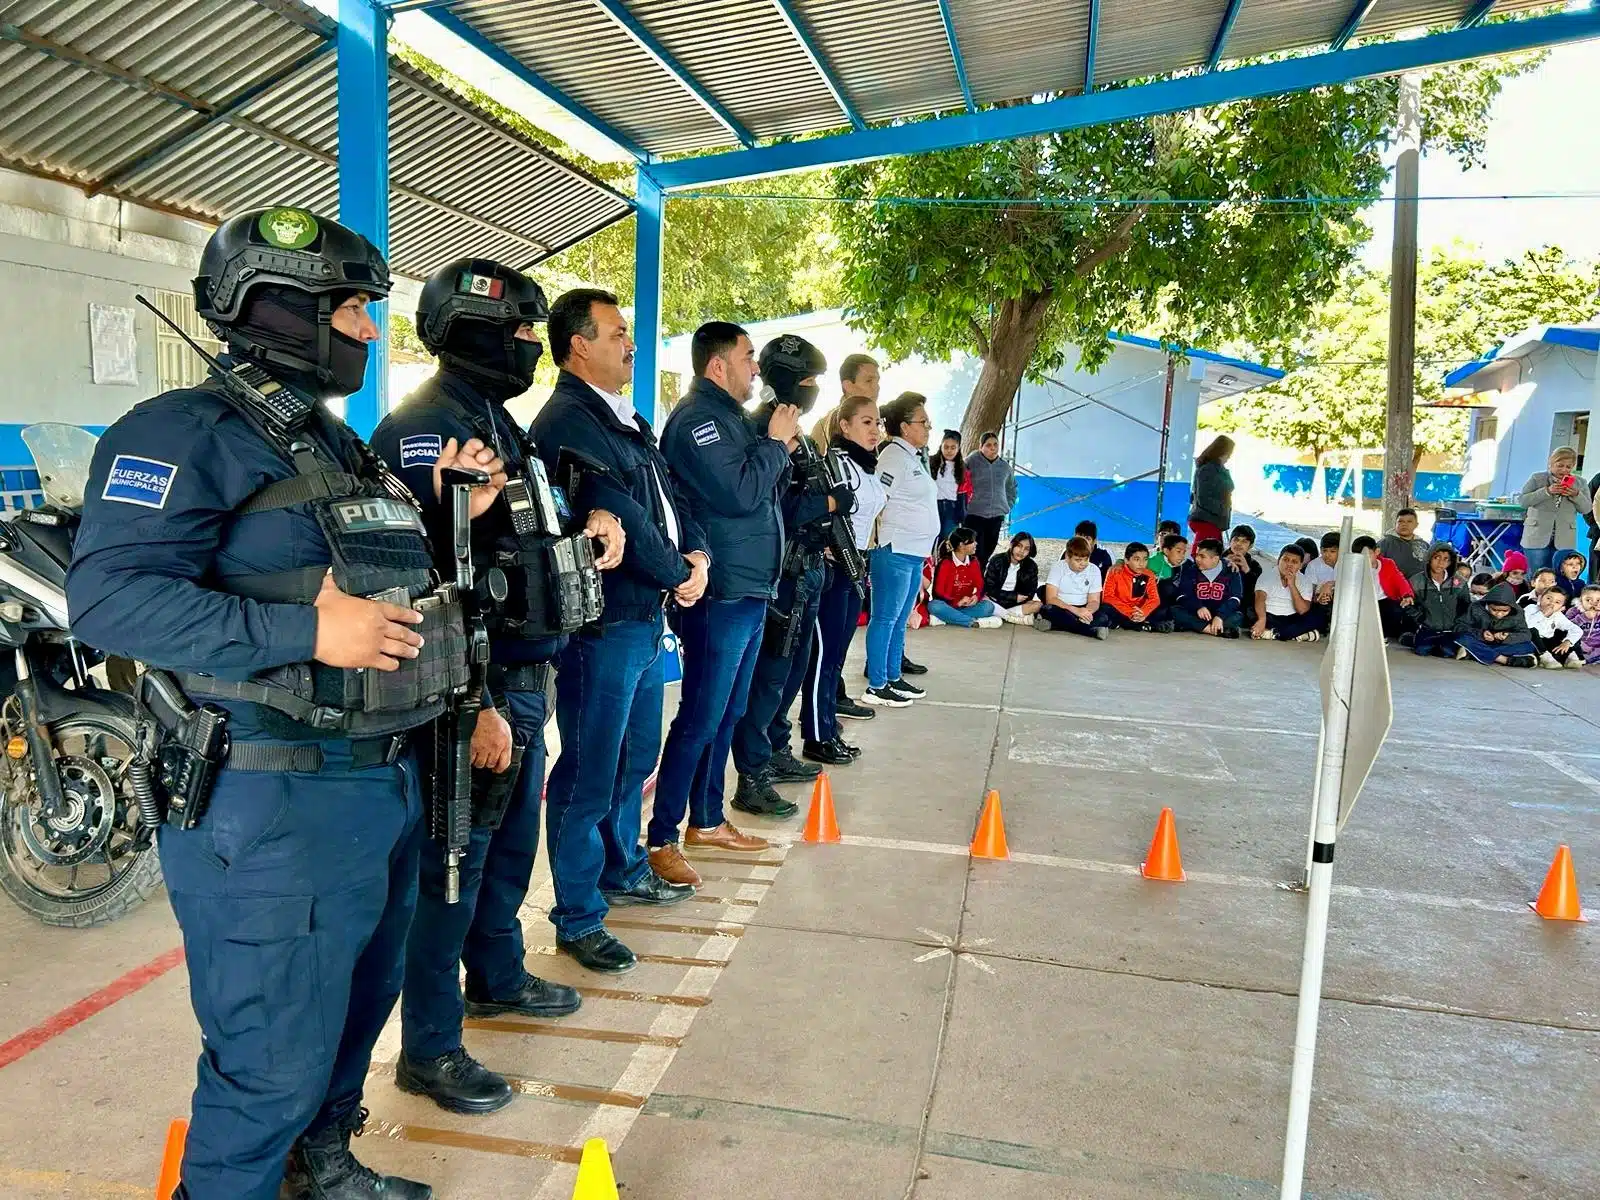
1352 23
364 173
1477 14
1220 42
791 18
1091 46
647 41
649 211
171 145
509 62
1132 103
955 54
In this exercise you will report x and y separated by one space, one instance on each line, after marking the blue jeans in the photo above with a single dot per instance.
965 617
836 625
1540 557
895 580
609 694
949 517
481 929
721 640
1442 642
294 895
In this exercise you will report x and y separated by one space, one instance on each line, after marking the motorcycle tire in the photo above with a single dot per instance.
130 884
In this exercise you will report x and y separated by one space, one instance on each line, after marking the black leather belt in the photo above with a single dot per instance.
309 760
519 677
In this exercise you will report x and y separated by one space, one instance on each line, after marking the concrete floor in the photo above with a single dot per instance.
887 1018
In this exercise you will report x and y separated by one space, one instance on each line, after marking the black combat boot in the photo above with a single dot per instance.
321 1167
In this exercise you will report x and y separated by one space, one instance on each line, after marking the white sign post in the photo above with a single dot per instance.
1356 712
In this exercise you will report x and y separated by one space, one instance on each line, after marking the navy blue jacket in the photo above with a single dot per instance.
411 438
1222 595
729 476
635 476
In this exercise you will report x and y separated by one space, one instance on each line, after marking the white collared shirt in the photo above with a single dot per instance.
628 415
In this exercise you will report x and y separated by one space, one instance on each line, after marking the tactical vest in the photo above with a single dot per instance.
377 549
553 587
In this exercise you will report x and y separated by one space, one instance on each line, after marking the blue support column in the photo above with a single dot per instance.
364 173
649 213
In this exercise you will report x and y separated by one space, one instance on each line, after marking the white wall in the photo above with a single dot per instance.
1549 380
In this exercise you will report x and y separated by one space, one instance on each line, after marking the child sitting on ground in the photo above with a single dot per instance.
1174 552
1012 580
1208 595
1463 570
1243 561
1480 585
1442 603
1283 601
1396 600
1543 580
1515 572
1132 593
1072 595
1320 573
1569 574
1560 640
958 585
1496 634
1585 614
1309 549
1098 554
1163 566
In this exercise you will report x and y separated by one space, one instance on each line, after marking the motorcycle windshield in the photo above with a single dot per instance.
62 453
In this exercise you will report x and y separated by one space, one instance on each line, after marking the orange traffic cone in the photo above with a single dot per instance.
1558 898
990 840
1164 861
821 826
171 1159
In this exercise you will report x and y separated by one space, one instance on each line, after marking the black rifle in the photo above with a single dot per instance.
820 474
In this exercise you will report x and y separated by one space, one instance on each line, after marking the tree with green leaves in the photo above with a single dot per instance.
1337 398
1221 225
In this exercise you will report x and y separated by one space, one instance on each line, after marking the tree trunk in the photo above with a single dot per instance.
1013 338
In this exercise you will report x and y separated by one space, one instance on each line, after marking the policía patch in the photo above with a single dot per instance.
142 481
375 513
421 449
705 434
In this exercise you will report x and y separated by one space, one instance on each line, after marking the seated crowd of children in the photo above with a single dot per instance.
1442 608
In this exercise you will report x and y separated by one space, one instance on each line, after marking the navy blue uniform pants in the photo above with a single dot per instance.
837 615
481 929
773 687
294 895
721 640
609 693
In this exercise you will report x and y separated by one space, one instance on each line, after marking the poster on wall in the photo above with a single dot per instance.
113 352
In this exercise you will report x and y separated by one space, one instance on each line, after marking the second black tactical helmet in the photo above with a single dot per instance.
785 361
469 315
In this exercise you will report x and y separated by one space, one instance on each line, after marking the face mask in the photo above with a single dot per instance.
348 364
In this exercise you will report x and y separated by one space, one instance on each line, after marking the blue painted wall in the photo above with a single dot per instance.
1431 487
1126 513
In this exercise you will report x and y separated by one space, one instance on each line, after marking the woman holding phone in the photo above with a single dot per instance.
1553 498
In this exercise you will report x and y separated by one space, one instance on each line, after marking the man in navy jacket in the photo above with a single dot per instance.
609 685
729 475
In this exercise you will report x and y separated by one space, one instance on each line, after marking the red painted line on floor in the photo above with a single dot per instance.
30 1040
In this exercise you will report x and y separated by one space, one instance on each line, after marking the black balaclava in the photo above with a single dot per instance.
283 322
490 355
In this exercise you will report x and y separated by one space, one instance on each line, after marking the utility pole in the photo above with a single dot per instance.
1397 445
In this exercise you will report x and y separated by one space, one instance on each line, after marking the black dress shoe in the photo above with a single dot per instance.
536 998
599 951
840 744
853 711
457 1083
907 667
784 767
756 795
828 753
652 889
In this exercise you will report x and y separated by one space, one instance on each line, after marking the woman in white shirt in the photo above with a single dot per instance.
852 441
906 533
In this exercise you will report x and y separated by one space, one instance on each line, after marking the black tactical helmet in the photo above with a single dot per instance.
785 361
289 247
479 289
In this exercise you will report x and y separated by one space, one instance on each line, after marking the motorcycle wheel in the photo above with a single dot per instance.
83 867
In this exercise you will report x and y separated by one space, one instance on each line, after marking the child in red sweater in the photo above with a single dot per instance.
1397 602
958 584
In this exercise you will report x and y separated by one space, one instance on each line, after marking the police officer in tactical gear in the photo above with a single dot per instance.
761 752
234 535
480 318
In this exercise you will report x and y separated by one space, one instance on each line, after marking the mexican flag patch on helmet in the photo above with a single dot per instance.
481 285
288 228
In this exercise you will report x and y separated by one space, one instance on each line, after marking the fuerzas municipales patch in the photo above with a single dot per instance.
886 479
705 435
421 449
142 481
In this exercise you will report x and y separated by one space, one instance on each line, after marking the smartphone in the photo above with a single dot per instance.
1569 481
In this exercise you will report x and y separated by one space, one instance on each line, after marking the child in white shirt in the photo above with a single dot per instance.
1285 610
1558 637
1072 594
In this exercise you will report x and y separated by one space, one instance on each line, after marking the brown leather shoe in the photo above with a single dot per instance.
669 863
726 837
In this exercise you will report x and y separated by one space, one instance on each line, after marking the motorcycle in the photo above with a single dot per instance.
73 851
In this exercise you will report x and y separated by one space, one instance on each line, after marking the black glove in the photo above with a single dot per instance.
844 499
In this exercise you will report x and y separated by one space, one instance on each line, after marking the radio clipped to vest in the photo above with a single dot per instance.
554 587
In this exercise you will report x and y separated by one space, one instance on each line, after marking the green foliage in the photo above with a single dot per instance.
1465 307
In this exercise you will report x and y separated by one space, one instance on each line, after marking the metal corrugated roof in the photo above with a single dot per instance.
93 91
891 57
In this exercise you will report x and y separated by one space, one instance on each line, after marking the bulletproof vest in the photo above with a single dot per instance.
552 584
377 549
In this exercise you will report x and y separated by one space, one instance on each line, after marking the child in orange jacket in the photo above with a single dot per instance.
1131 594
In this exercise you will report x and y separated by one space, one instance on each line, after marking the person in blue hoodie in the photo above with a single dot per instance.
1207 597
